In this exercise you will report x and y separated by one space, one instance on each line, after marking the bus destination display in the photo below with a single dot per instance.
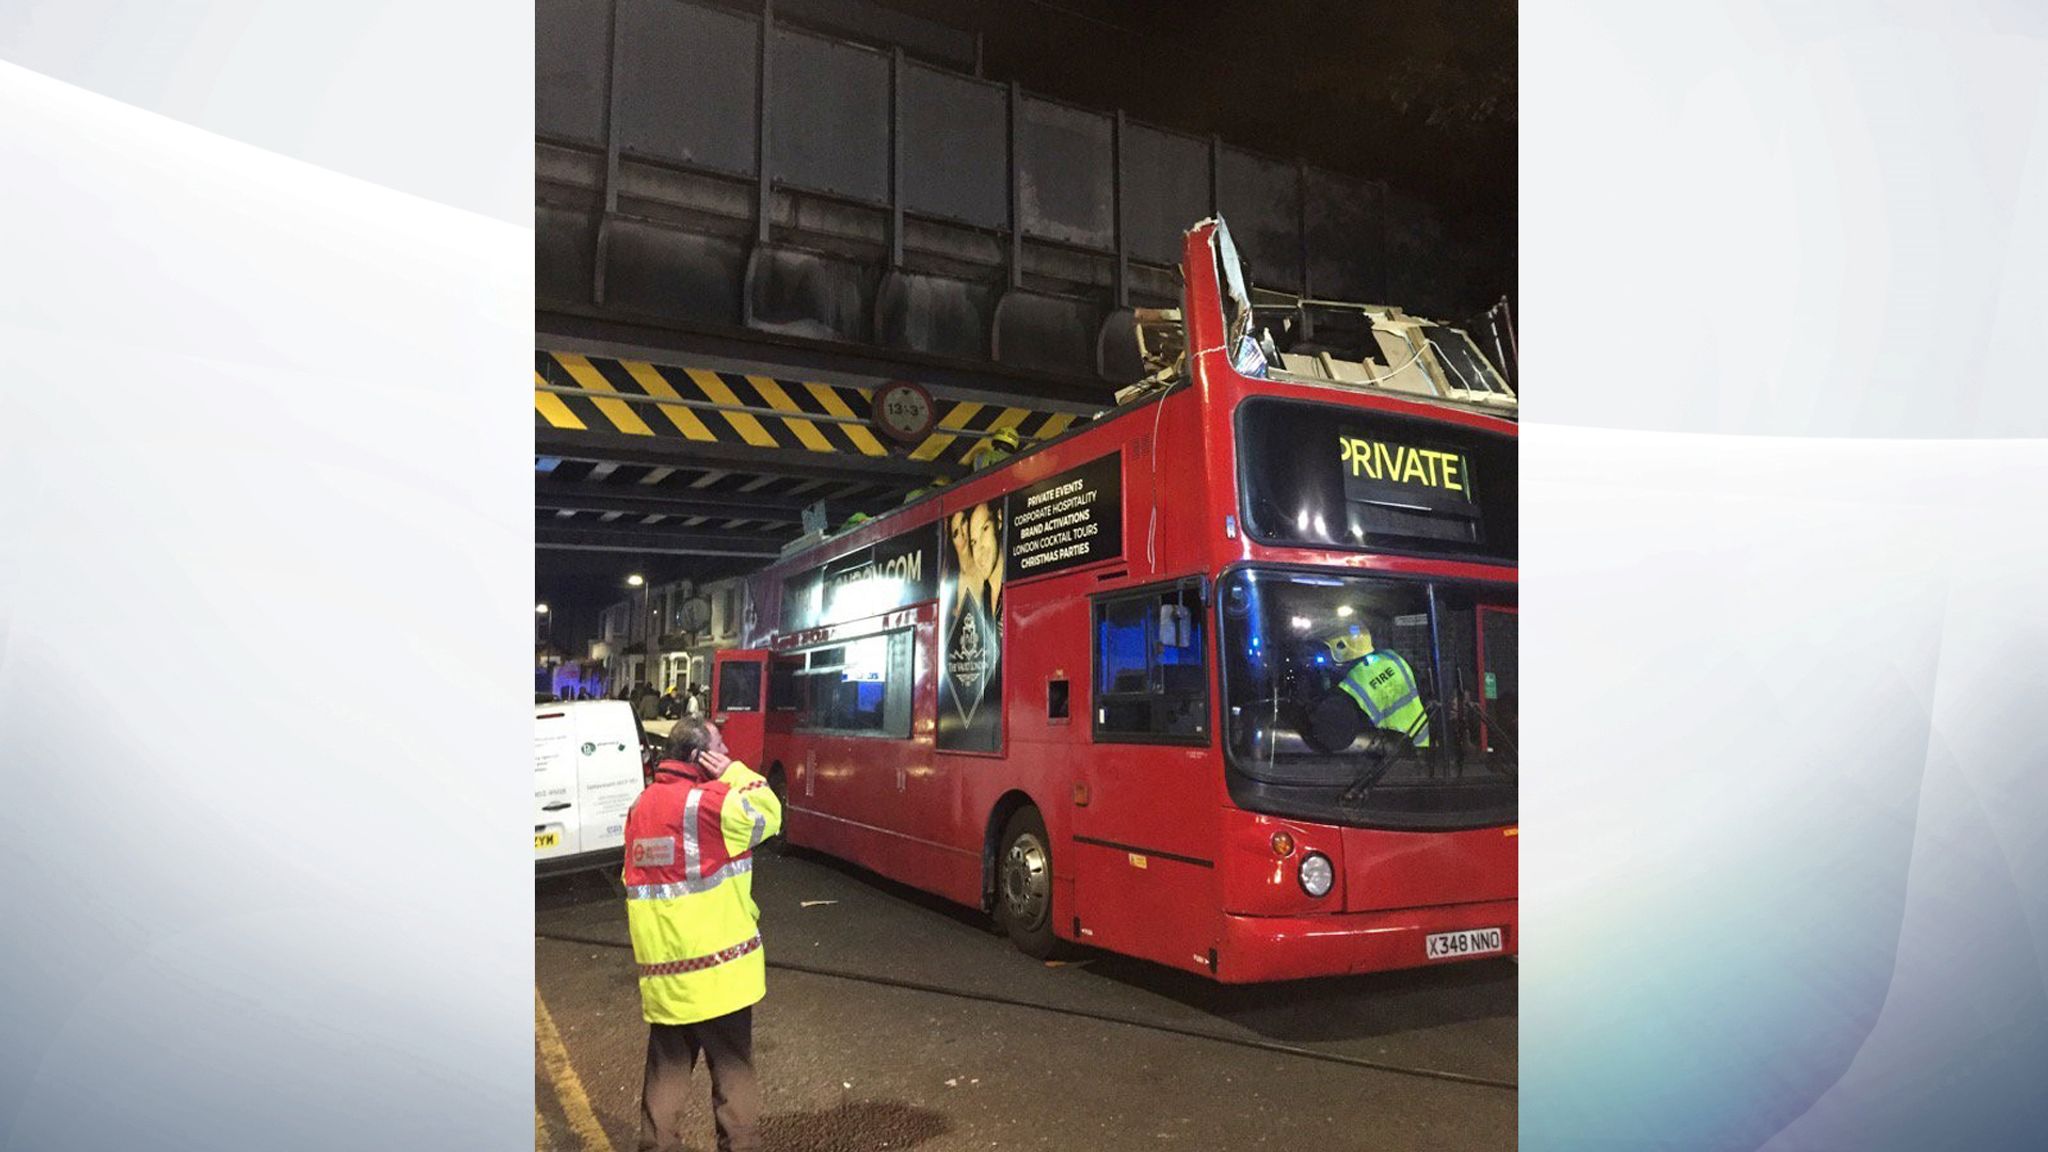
1405 475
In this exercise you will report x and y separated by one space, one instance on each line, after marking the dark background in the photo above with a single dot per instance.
1421 96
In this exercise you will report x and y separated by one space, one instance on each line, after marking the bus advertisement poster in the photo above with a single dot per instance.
893 573
1068 520
971 629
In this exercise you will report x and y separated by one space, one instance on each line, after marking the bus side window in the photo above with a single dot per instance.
782 673
1151 666
857 687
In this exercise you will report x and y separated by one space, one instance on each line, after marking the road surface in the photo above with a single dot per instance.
896 1021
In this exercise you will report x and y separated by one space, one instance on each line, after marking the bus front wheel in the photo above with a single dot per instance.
1024 884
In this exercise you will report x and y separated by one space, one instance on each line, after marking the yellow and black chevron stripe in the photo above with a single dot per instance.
961 427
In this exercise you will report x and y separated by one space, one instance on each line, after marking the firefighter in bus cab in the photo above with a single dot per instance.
1376 689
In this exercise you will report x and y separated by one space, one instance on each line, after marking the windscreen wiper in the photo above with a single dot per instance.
1494 729
1467 700
1390 747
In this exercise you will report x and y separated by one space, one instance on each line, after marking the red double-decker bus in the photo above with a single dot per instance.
1100 690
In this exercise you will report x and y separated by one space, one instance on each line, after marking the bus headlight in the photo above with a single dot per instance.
1316 874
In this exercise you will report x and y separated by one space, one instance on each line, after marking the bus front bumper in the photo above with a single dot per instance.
1255 949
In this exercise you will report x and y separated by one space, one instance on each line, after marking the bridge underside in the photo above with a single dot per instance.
636 456
745 225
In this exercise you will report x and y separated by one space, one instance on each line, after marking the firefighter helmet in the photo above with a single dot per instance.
1352 642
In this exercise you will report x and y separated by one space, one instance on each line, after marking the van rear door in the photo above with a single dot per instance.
608 775
557 830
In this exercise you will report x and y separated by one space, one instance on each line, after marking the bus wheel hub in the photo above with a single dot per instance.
1026 886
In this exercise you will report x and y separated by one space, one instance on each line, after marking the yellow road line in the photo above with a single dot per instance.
804 429
650 378
749 428
551 408
554 1058
861 437
619 412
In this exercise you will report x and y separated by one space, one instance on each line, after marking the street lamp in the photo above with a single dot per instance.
635 580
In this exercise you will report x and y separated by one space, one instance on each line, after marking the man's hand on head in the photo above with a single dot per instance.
713 762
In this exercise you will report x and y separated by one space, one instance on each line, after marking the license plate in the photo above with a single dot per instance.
1473 942
550 839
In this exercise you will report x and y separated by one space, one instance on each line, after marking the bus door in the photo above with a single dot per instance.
1499 688
739 686
1144 820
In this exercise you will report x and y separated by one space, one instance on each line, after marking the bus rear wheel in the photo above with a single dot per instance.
1024 884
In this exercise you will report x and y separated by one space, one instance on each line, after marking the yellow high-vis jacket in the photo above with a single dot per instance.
690 891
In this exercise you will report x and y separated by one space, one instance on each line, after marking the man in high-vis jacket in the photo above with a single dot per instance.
1381 683
1001 444
696 937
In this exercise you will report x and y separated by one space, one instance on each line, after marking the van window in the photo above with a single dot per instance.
1152 666
861 686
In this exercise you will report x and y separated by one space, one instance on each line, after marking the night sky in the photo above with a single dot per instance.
577 586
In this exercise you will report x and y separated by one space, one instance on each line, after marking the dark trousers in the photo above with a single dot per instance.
727 1043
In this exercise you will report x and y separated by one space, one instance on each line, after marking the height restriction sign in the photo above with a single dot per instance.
903 412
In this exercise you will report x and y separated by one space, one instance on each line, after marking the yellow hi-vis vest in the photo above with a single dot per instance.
1385 689
690 891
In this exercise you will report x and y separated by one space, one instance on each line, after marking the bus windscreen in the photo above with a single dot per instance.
1325 476
1398 696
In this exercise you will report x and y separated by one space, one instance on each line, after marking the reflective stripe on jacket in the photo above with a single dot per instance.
690 891
1385 689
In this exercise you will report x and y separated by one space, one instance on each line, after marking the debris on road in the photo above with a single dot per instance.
814 903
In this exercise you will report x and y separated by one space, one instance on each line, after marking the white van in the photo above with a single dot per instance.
586 774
